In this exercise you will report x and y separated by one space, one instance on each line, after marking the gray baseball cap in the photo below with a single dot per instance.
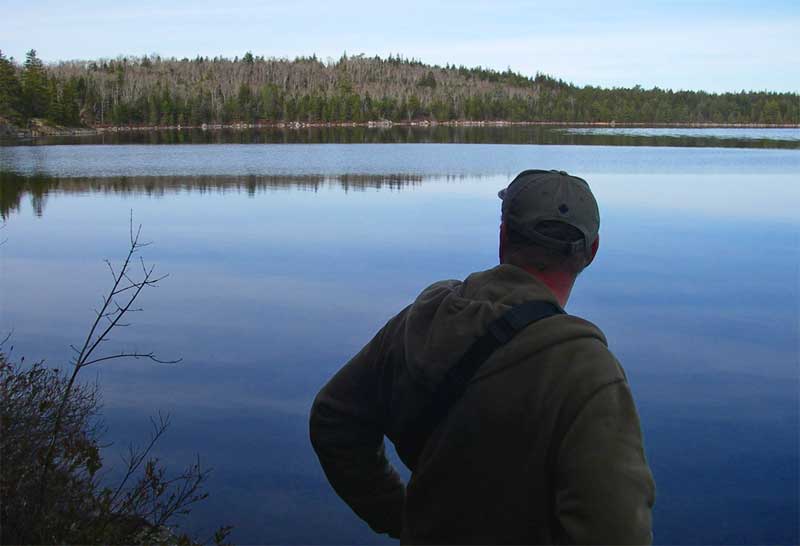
536 196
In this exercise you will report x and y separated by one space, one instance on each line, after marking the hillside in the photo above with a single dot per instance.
154 91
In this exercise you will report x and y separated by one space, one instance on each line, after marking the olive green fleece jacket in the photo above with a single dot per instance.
544 446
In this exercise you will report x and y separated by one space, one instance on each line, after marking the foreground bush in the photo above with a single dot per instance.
66 503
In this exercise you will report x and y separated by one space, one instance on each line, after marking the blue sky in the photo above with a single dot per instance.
680 44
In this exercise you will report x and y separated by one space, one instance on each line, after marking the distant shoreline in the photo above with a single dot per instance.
42 129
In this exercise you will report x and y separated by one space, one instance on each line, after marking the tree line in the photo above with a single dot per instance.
151 90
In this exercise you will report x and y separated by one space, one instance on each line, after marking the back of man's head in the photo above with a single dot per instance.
550 222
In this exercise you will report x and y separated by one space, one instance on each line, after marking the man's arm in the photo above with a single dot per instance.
346 427
604 488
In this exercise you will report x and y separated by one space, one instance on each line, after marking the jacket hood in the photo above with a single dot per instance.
448 316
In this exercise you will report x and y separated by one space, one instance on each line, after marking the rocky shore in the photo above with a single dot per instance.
40 128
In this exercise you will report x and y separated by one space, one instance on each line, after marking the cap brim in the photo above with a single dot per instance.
502 193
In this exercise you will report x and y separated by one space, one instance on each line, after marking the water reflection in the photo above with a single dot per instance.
777 198
514 134
15 187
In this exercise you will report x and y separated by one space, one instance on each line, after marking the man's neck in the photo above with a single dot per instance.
559 283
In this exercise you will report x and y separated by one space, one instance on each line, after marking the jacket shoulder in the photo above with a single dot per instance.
584 363
566 343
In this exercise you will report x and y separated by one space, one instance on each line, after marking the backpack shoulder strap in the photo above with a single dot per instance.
455 381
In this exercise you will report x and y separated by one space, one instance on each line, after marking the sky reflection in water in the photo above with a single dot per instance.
277 279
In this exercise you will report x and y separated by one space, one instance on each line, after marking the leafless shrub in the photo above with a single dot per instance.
50 488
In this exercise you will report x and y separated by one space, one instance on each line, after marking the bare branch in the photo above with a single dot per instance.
186 494
112 312
111 268
135 460
8 336
149 356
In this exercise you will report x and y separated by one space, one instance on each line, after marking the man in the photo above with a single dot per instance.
542 444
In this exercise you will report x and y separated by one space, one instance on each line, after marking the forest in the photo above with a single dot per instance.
156 91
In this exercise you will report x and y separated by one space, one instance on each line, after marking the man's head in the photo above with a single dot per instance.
550 222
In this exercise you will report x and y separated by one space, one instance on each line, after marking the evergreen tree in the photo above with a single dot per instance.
35 89
10 90
427 81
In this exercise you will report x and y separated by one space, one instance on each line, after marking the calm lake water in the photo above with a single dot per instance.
284 259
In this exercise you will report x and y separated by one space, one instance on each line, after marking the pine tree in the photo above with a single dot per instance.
35 89
10 90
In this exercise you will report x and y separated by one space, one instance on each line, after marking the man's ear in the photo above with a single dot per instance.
593 250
